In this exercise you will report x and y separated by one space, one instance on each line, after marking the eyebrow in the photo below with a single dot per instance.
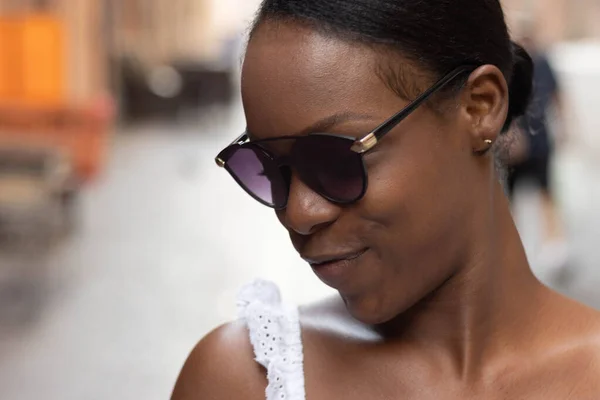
327 123
324 124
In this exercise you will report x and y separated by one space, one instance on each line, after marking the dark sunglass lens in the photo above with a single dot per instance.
256 172
330 167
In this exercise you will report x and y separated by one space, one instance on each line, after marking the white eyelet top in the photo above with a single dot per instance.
274 329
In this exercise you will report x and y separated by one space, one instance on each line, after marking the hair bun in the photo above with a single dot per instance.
520 85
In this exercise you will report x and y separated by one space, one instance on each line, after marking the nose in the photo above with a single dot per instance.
307 212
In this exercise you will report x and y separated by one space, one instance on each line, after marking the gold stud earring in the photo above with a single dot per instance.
488 142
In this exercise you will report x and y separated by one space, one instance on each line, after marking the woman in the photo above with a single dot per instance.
408 221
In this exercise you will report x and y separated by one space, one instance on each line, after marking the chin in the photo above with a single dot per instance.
371 310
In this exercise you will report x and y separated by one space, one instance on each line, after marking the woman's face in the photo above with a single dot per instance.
414 226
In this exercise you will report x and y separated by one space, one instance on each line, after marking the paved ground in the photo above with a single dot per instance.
166 240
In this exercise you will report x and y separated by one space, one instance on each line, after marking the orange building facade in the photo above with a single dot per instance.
76 46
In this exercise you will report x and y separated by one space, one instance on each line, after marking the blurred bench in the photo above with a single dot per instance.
33 183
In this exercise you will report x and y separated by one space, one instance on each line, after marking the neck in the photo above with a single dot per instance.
484 307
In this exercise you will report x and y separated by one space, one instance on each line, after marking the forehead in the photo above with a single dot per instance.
293 76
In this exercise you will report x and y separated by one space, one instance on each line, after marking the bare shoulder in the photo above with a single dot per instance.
578 319
220 367
589 338
577 327
580 364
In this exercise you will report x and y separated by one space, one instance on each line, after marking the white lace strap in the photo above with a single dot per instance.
275 335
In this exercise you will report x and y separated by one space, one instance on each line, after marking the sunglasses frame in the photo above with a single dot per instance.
359 146
281 161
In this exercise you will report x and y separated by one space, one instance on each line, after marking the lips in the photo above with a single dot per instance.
336 270
318 261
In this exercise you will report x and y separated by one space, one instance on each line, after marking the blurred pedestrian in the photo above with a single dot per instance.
532 153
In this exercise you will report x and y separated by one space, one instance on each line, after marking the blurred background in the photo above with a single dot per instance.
121 243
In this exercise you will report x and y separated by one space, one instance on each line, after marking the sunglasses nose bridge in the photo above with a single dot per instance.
323 164
283 161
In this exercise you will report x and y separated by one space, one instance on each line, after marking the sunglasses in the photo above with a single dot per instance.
332 165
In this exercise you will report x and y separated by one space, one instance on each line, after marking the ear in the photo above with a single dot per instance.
484 107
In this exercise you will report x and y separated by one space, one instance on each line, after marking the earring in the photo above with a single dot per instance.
488 143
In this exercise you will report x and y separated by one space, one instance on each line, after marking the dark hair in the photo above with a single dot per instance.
438 35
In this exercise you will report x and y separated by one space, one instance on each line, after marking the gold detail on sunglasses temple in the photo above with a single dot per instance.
360 146
365 144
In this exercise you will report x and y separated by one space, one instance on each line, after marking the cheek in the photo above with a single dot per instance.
414 213
414 200
414 187
417 199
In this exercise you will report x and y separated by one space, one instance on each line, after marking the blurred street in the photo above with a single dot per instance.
165 242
